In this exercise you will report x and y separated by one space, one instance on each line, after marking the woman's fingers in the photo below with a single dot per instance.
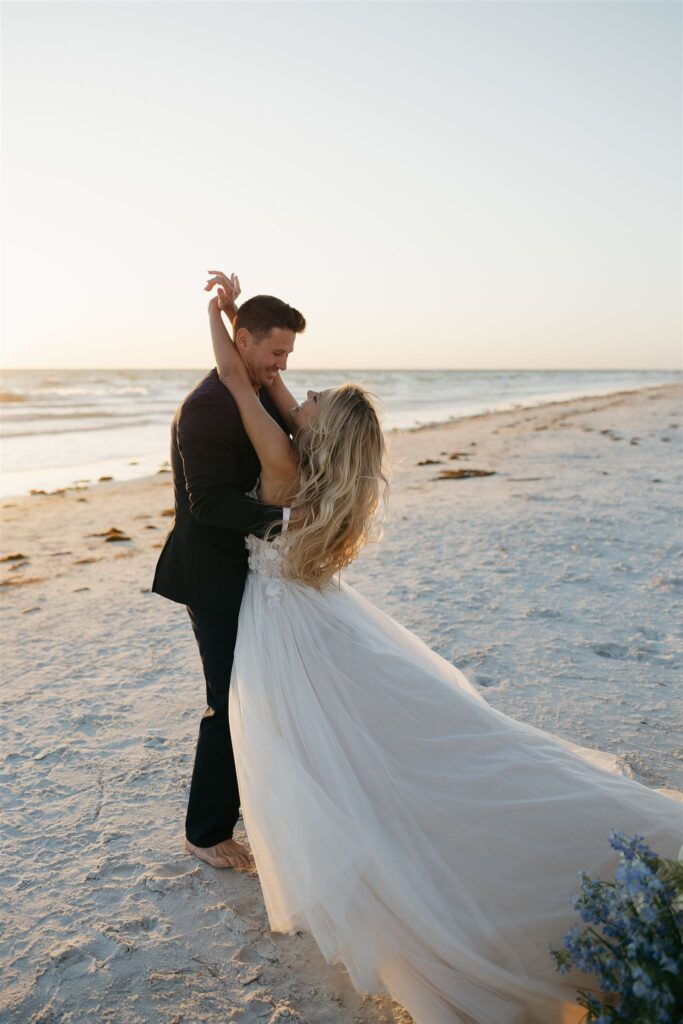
229 282
231 285
221 281
220 276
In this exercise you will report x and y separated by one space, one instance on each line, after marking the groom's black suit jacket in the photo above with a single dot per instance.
203 563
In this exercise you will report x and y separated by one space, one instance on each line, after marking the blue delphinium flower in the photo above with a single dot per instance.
637 956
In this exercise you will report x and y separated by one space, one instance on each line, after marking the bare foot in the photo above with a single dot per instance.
228 854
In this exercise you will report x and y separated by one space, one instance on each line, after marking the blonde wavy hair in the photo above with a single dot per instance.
342 483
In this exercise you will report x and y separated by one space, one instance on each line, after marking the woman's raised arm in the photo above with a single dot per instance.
228 290
275 452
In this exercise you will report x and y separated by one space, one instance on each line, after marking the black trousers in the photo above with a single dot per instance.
213 807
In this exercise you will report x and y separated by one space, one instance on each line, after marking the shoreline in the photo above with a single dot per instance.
552 582
81 484
519 407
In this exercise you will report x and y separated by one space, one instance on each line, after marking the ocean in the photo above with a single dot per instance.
61 428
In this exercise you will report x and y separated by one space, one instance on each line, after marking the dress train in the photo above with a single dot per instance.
429 842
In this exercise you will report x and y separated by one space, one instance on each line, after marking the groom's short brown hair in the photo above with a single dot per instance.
264 312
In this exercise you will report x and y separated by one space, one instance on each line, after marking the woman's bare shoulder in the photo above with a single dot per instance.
280 481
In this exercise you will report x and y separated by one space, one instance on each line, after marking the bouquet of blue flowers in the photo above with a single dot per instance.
638 955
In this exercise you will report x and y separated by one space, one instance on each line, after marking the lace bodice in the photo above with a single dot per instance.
265 556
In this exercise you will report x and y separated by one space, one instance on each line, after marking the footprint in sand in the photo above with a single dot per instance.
542 613
173 880
247 955
155 741
639 769
78 959
142 925
649 632
172 870
240 916
109 868
259 1008
610 650
482 680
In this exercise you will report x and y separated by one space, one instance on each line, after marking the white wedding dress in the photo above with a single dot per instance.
429 842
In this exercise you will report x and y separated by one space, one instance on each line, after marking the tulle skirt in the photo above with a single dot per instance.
429 842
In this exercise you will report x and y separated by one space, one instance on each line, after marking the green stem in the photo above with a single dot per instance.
600 938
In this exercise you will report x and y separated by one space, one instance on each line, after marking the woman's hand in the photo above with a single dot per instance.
231 367
228 290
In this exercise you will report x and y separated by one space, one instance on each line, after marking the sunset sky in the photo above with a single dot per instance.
456 185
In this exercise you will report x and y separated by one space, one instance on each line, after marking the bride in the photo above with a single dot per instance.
429 842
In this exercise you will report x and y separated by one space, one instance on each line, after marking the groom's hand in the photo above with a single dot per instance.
228 290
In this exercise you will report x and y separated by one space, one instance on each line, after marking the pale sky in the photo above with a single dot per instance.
434 185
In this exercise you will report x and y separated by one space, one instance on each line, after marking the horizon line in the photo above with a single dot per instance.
364 369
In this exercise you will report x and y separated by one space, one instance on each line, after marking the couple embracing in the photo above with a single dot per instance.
429 842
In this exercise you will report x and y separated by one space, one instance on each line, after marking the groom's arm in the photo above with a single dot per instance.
209 464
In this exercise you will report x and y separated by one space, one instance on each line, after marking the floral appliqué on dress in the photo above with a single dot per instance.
265 559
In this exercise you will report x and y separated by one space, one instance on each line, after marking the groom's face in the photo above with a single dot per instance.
267 357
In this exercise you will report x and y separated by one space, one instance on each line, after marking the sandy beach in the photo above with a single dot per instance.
540 550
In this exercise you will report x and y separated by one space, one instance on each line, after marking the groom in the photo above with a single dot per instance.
203 564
